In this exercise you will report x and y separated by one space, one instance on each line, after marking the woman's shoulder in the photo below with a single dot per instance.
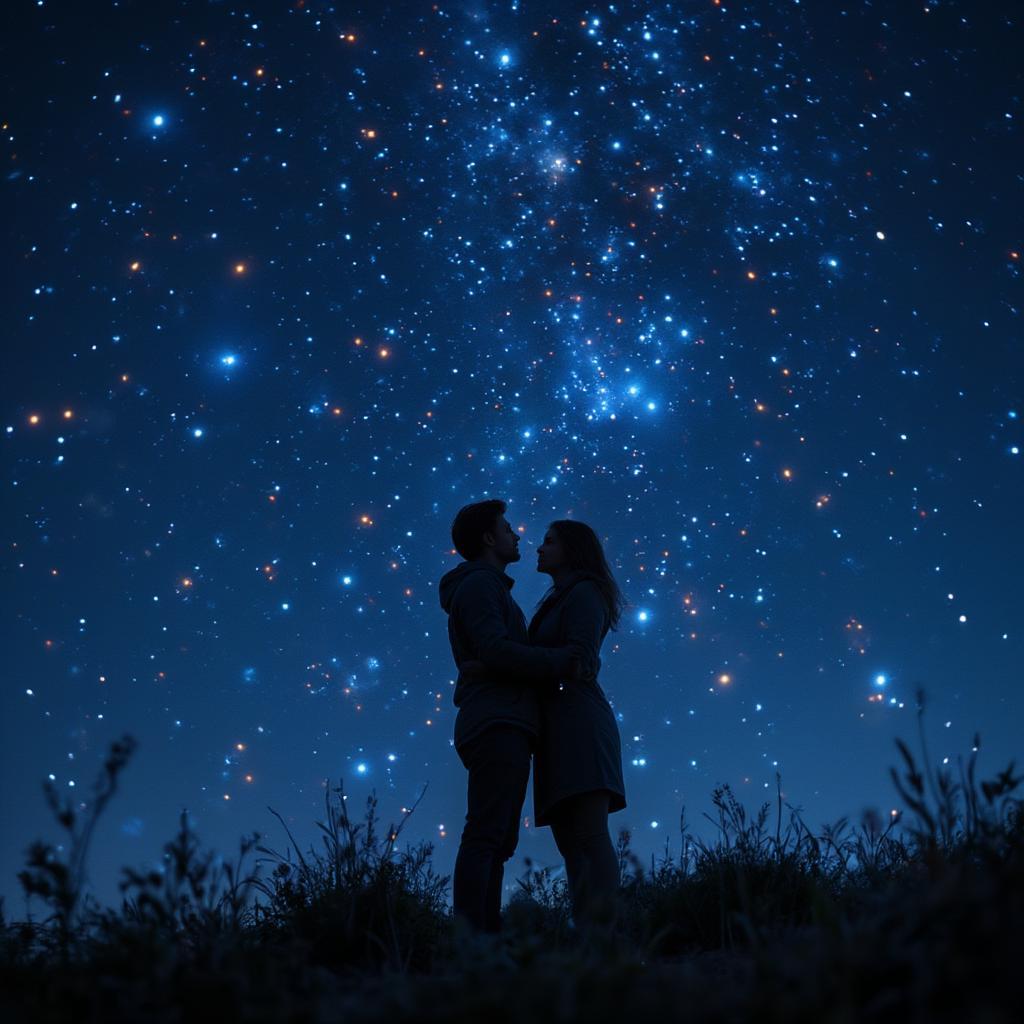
587 585
586 591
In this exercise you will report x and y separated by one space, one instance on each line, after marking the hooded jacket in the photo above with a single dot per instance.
485 624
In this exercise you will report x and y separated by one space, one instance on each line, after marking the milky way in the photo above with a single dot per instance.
738 285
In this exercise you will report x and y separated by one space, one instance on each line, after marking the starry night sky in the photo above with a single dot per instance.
289 283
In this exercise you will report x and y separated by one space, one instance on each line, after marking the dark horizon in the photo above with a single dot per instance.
740 288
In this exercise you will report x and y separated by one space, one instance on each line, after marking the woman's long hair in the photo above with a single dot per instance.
583 553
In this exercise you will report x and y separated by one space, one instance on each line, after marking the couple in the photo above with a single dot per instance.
523 692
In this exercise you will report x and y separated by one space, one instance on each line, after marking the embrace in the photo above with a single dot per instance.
532 692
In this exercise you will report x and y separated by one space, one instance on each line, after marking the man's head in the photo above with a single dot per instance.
481 530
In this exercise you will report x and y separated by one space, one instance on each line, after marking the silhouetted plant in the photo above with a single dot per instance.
363 903
194 896
539 906
58 883
937 829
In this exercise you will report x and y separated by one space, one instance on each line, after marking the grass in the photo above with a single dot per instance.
915 921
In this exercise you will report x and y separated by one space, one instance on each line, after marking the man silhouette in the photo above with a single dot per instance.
498 720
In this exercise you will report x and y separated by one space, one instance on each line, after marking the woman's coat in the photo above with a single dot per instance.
579 748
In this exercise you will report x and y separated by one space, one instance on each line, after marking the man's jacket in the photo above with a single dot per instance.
485 624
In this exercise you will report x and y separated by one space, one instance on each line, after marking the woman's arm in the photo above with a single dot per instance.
583 625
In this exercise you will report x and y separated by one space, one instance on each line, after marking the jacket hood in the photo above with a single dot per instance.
451 580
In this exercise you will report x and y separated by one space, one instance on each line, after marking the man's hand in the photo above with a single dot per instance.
583 667
472 669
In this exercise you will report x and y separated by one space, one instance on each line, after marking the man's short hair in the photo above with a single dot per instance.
471 523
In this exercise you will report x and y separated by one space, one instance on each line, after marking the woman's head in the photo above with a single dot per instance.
572 545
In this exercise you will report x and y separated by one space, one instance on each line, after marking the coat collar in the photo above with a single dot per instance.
571 580
555 597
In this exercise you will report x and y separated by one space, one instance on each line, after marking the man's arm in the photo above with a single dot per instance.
477 608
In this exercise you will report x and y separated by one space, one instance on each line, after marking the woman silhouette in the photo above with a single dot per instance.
577 768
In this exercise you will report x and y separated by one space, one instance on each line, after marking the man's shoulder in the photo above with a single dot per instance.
483 582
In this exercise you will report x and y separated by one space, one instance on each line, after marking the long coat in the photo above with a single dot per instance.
578 749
